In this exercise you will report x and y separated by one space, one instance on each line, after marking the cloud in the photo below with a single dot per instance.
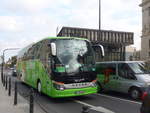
25 21
10 24
25 6
31 7
33 28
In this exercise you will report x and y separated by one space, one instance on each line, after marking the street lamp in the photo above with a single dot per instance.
99 15
99 30
3 60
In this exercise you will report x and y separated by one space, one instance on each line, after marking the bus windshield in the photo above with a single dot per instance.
74 54
138 68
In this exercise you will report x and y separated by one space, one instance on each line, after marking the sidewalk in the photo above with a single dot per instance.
7 106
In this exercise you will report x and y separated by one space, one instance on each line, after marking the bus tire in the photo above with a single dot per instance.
135 93
39 87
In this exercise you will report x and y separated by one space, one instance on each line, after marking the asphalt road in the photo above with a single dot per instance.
98 103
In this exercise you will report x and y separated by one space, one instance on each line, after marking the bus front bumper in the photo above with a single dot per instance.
73 92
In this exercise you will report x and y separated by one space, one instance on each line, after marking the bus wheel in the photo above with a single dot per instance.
39 86
135 93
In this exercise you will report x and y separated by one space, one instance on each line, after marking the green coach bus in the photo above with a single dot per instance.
59 66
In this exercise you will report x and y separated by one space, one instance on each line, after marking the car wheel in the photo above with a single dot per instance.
135 93
39 87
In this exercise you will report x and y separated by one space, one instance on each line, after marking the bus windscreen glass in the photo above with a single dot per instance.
75 55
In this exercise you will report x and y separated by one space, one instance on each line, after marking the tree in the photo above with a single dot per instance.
11 62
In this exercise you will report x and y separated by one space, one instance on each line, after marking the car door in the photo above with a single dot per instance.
126 78
111 79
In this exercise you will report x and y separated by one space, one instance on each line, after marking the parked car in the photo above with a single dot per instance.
123 76
145 108
14 73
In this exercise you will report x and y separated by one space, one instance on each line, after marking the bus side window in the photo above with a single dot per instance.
25 56
42 52
30 53
37 51
48 55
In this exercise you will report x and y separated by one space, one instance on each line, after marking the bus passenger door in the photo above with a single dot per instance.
45 60
48 80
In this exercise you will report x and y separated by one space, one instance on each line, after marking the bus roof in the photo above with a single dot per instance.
109 62
64 38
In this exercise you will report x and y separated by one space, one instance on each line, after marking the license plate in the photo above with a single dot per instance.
79 92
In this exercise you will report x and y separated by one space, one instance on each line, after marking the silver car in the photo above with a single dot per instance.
123 76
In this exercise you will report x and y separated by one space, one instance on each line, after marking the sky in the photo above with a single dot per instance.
26 21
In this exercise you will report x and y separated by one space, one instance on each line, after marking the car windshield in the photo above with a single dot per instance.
74 53
138 68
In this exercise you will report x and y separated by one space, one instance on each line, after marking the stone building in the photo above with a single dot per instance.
145 38
132 54
130 51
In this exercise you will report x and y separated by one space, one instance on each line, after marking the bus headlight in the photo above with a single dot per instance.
58 85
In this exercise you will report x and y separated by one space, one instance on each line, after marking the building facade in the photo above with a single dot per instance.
114 42
132 54
145 38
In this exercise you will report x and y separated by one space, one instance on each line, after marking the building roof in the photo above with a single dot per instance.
105 37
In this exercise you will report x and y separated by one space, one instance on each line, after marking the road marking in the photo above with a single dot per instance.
130 101
96 108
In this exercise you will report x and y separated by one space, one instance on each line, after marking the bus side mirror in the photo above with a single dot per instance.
102 50
53 49
99 48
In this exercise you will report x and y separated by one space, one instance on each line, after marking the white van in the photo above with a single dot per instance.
123 76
